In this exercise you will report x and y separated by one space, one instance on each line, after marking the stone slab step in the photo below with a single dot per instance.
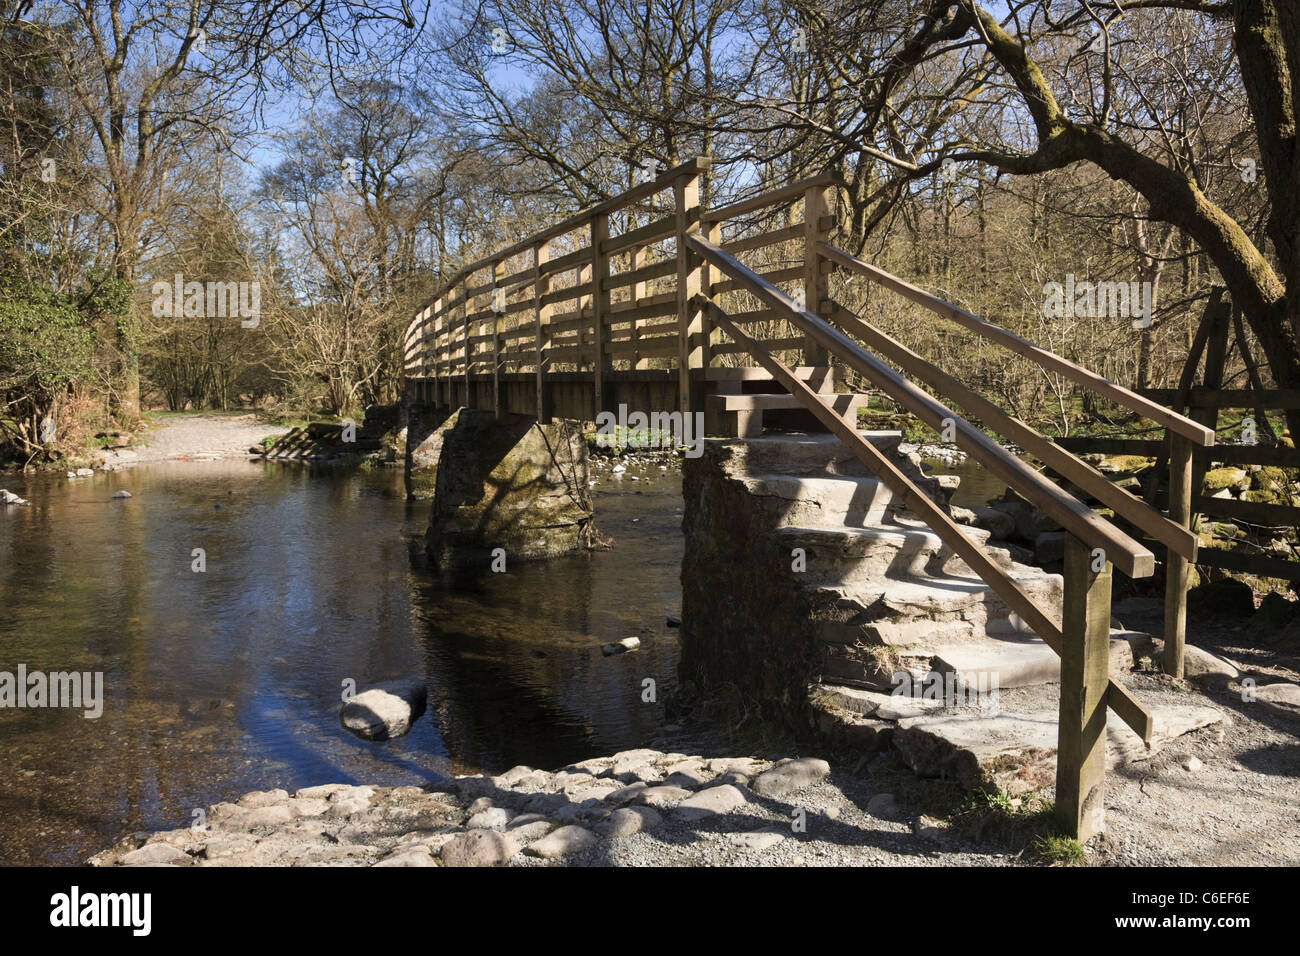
1017 751
803 454
1018 661
859 553
824 501
843 403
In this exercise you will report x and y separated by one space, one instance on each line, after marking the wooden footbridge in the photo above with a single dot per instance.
650 300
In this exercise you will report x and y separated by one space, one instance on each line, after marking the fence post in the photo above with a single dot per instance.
542 322
498 316
690 351
599 305
1177 568
1085 673
819 201
464 307
638 293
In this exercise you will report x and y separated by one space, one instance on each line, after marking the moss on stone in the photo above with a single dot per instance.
1218 479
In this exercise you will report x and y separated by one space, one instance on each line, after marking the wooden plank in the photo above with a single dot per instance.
1085 676
1133 558
686 206
1278 456
541 320
1200 396
1083 475
1049 360
763 239
641 273
819 202
656 231
600 308
638 291
1252 512
1145 447
580 219
788 274
1177 566
1261 564
775 197
498 304
1118 697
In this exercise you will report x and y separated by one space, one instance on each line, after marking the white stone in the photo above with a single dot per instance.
384 711
562 842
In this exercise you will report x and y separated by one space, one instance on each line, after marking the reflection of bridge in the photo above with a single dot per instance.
697 317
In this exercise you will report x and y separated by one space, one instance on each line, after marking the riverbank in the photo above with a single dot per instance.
1224 795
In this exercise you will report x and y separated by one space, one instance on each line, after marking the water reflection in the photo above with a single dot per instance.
228 680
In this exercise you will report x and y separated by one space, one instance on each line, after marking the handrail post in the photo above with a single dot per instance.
498 314
638 260
690 351
819 201
435 346
464 311
1085 675
1177 567
542 324
599 306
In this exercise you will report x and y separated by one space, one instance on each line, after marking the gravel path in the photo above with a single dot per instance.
197 436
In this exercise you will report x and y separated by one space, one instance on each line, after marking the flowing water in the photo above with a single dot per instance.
228 680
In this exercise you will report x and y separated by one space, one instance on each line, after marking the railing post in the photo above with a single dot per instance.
1085 674
464 307
542 323
690 351
819 201
638 293
599 306
1177 568
498 310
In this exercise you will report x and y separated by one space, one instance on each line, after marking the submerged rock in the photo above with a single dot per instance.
621 647
384 711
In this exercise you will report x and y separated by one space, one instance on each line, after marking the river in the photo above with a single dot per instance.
229 679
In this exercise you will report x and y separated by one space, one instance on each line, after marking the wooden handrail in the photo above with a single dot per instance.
1130 556
1126 505
1118 697
1193 431
577 221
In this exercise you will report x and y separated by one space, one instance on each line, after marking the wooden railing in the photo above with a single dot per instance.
665 306
610 289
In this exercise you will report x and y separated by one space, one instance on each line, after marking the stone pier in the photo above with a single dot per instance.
510 483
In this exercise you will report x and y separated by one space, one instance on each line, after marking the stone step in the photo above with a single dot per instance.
855 553
1019 661
1017 751
843 403
808 454
745 415
987 745
824 501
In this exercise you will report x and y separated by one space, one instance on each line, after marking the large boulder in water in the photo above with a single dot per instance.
384 711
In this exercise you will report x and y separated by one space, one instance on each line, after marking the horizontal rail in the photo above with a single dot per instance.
1193 431
1130 556
774 197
